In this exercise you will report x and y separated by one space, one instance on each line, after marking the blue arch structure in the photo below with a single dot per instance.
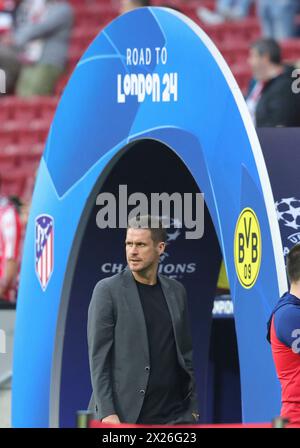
195 108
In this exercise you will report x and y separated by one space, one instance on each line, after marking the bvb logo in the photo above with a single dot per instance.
247 248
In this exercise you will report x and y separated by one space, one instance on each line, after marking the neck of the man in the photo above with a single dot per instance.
295 289
148 277
273 71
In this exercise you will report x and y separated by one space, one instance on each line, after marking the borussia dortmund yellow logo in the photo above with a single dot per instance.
247 248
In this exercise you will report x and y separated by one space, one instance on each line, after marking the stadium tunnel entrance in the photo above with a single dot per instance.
201 115
146 166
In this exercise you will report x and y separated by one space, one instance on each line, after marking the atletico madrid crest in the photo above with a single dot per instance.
44 238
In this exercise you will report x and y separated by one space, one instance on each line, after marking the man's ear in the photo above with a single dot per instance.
161 247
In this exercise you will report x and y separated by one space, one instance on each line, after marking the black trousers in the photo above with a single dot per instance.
185 419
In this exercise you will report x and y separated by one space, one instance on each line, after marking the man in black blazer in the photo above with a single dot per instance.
140 347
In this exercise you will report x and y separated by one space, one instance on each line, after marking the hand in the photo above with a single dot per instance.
113 419
195 416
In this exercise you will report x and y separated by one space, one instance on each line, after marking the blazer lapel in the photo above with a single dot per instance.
136 311
174 312
169 295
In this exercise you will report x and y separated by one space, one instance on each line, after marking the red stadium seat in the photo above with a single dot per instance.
23 132
6 109
61 84
25 111
46 107
242 74
77 3
84 33
291 49
8 162
244 31
235 52
24 123
97 7
6 137
13 183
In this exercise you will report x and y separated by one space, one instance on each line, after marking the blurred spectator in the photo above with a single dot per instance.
22 208
128 5
278 18
225 10
10 239
34 53
271 100
8 61
7 12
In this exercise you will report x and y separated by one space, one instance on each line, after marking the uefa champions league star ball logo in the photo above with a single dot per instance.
288 212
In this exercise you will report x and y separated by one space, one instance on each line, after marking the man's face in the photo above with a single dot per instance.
259 64
141 251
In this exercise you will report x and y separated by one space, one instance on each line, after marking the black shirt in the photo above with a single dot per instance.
278 104
163 400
